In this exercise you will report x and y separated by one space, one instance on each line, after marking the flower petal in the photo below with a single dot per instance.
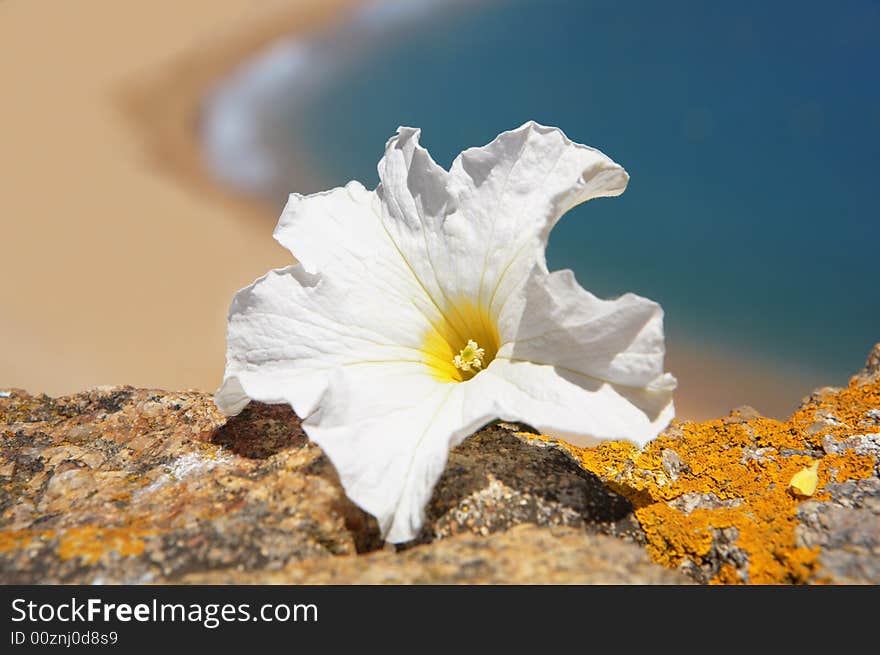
325 229
388 432
416 205
515 189
597 365
557 322
492 211
343 336
352 298
290 329
340 234
561 403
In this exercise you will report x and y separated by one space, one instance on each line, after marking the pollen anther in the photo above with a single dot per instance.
470 358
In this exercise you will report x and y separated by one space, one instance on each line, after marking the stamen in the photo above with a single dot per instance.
470 358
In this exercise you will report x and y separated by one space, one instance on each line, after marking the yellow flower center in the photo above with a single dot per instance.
461 344
470 357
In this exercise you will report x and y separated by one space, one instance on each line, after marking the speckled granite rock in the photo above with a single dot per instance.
131 485
523 555
499 478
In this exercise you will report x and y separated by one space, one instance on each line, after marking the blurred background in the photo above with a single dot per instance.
147 150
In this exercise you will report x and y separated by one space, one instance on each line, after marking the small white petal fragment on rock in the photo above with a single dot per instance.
424 309
804 483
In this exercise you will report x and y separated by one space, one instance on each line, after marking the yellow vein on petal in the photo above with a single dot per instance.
495 217
415 275
525 242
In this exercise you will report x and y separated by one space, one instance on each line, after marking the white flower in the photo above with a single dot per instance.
424 309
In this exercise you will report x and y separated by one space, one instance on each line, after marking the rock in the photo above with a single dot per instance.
846 530
860 444
526 554
729 517
688 502
499 478
131 485
871 372
742 414
671 463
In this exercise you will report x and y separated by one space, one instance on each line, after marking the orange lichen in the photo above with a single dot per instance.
19 539
728 574
847 406
743 465
90 542
849 466
123 497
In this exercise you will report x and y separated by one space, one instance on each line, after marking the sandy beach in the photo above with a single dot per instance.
120 254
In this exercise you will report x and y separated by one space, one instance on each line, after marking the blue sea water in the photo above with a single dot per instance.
751 131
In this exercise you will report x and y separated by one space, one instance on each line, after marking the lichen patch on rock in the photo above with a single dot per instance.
745 525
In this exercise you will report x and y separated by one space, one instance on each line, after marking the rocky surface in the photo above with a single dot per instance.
714 501
871 372
134 485
525 554
126 485
845 529
499 478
